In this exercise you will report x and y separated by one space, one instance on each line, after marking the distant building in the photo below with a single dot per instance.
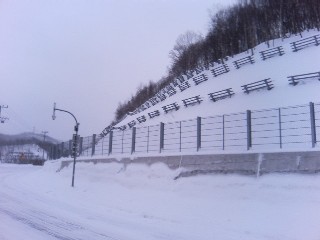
22 154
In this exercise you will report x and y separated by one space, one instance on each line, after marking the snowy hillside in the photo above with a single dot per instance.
277 68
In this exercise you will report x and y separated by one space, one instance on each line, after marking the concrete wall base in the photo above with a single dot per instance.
247 163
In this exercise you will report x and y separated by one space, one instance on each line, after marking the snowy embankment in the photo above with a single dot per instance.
140 202
277 68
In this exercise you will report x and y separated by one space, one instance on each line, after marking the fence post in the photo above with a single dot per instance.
316 40
280 128
198 133
133 144
180 137
110 142
249 132
313 125
122 141
161 136
93 148
294 46
148 140
223 133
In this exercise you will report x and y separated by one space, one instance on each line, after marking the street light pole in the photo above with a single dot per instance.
76 129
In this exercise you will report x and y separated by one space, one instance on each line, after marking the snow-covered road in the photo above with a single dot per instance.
23 211
145 203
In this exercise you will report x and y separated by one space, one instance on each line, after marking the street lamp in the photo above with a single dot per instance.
76 129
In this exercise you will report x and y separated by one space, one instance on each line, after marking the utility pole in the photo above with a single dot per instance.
3 119
44 140
76 129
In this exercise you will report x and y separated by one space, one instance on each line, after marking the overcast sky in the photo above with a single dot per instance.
85 55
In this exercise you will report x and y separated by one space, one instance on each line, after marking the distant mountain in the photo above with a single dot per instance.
27 137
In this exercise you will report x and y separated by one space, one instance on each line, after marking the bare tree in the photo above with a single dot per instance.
183 42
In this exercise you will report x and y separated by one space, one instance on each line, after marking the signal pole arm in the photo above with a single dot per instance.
76 129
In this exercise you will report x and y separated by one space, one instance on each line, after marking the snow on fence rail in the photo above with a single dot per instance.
277 128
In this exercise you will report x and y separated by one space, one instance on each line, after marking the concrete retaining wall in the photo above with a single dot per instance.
248 163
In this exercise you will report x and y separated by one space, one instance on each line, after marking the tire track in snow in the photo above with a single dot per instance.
51 225
55 226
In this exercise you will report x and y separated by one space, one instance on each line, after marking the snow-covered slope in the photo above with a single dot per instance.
277 68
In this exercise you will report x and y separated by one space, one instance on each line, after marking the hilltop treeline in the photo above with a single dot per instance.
233 30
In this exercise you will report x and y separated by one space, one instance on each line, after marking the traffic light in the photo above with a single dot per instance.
75 139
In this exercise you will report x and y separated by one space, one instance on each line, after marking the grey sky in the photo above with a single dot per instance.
86 56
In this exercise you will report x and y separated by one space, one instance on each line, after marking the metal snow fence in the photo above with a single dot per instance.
189 135
99 146
116 143
154 136
86 146
266 129
127 141
172 137
235 131
102 147
212 133
296 129
142 140
121 142
283 128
